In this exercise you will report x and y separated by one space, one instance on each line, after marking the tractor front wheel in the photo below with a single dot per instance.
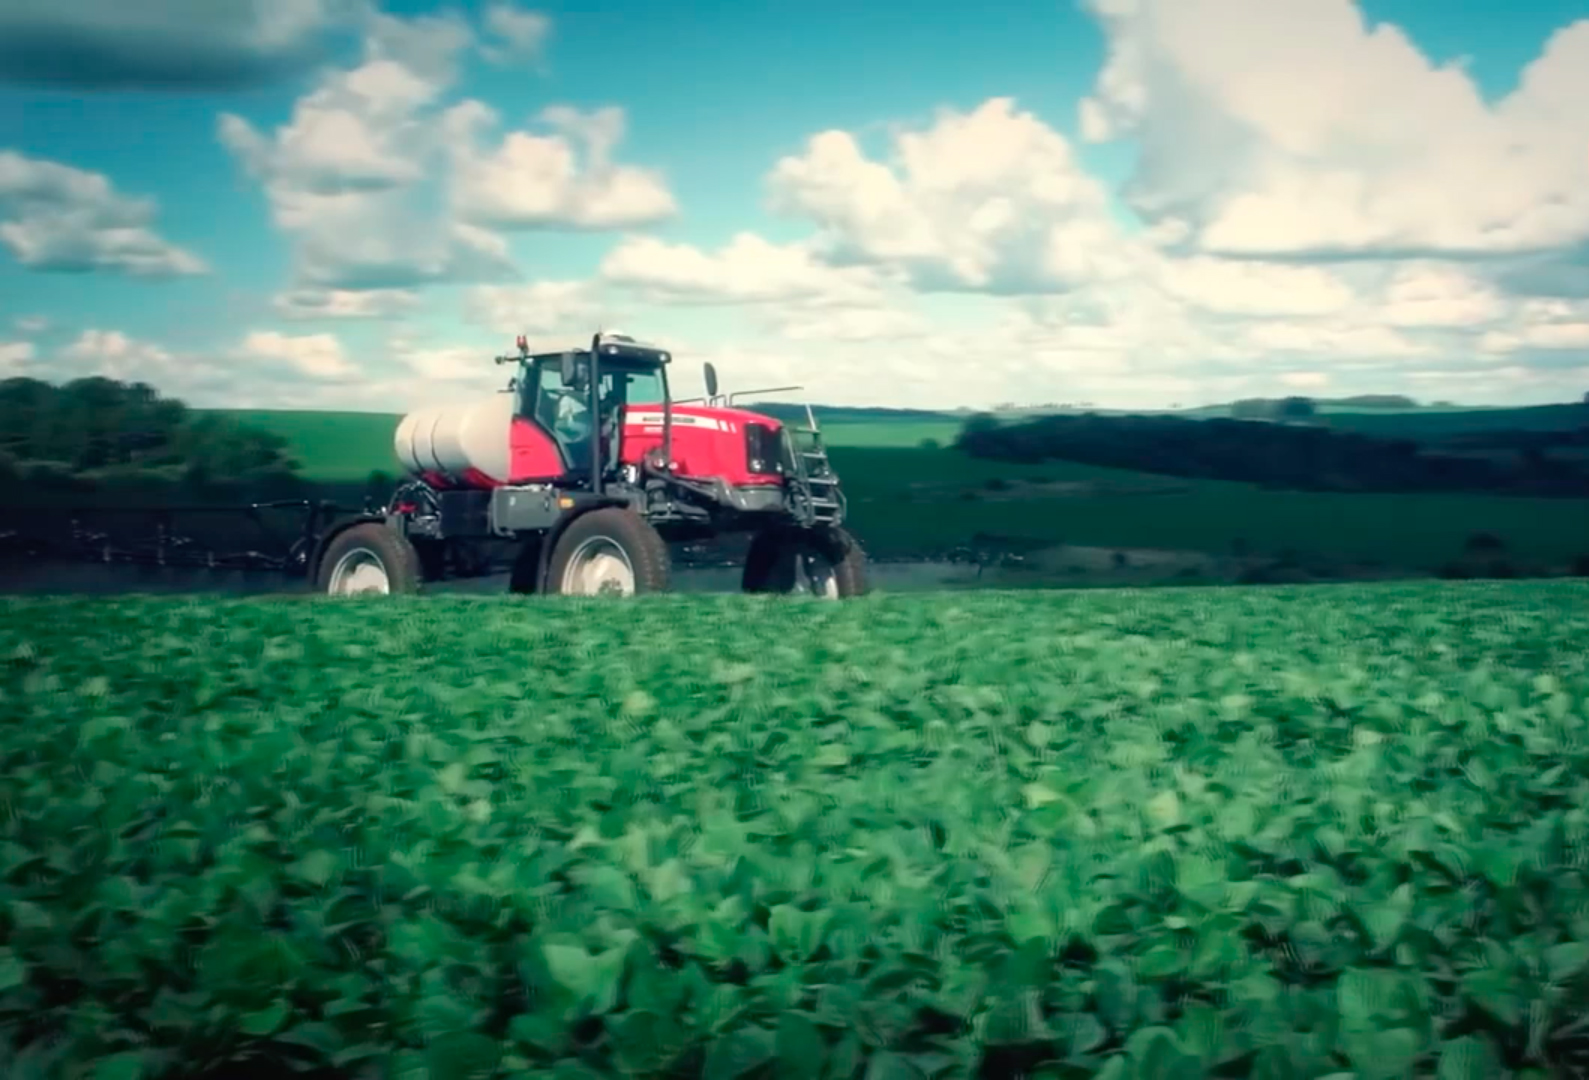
369 558
826 562
609 552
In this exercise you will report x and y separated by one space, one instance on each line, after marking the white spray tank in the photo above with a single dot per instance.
465 444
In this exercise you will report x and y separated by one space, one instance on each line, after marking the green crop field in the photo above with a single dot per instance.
1239 832
904 498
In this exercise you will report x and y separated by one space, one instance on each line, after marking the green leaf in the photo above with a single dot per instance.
588 978
13 972
1159 962
887 1065
128 1065
462 1055
1496 992
1038 795
316 868
1382 1055
796 934
1156 1052
831 756
1564 961
647 1042
739 1052
1471 1057
1386 918
800 1047
1164 810
265 1021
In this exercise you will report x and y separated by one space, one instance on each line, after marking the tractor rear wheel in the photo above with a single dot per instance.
369 558
609 552
826 562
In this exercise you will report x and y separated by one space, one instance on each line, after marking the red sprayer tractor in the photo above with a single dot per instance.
585 470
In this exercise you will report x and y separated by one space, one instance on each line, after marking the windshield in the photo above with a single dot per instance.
621 387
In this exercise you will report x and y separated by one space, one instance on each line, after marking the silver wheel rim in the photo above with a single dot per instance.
359 571
815 577
599 567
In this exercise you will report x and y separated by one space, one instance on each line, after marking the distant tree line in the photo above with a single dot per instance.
98 434
1302 408
1298 457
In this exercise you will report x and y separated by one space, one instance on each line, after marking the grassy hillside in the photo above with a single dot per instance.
904 499
1199 833
910 500
347 446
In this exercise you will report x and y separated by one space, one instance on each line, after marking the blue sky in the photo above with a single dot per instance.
738 181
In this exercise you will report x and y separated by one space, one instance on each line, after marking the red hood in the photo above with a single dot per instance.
713 412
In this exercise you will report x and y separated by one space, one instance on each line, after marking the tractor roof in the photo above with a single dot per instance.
614 348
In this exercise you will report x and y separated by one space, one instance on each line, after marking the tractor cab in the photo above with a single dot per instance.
579 398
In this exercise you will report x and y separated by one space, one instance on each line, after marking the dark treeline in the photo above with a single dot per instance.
101 435
1293 456
1292 408
786 411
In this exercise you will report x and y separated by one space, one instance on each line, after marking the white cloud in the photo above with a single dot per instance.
1314 132
748 269
318 356
991 200
1338 340
54 217
852 325
1422 294
521 33
345 303
113 355
191 44
14 357
566 179
32 324
346 174
383 185
541 308
1233 287
448 363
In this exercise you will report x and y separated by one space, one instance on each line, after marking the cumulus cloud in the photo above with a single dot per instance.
318 356
14 356
562 179
169 44
539 309
748 269
302 304
519 34
992 200
345 174
54 217
1316 133
114 355
357 174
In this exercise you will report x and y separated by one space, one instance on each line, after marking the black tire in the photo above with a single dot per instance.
623 531
378 543
771 567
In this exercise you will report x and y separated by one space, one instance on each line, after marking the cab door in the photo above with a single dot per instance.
539 453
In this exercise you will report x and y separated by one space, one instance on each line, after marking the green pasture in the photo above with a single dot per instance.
905 499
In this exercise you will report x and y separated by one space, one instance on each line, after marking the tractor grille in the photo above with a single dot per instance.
763 450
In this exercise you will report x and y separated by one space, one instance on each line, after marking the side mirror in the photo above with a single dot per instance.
570 369
711 380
